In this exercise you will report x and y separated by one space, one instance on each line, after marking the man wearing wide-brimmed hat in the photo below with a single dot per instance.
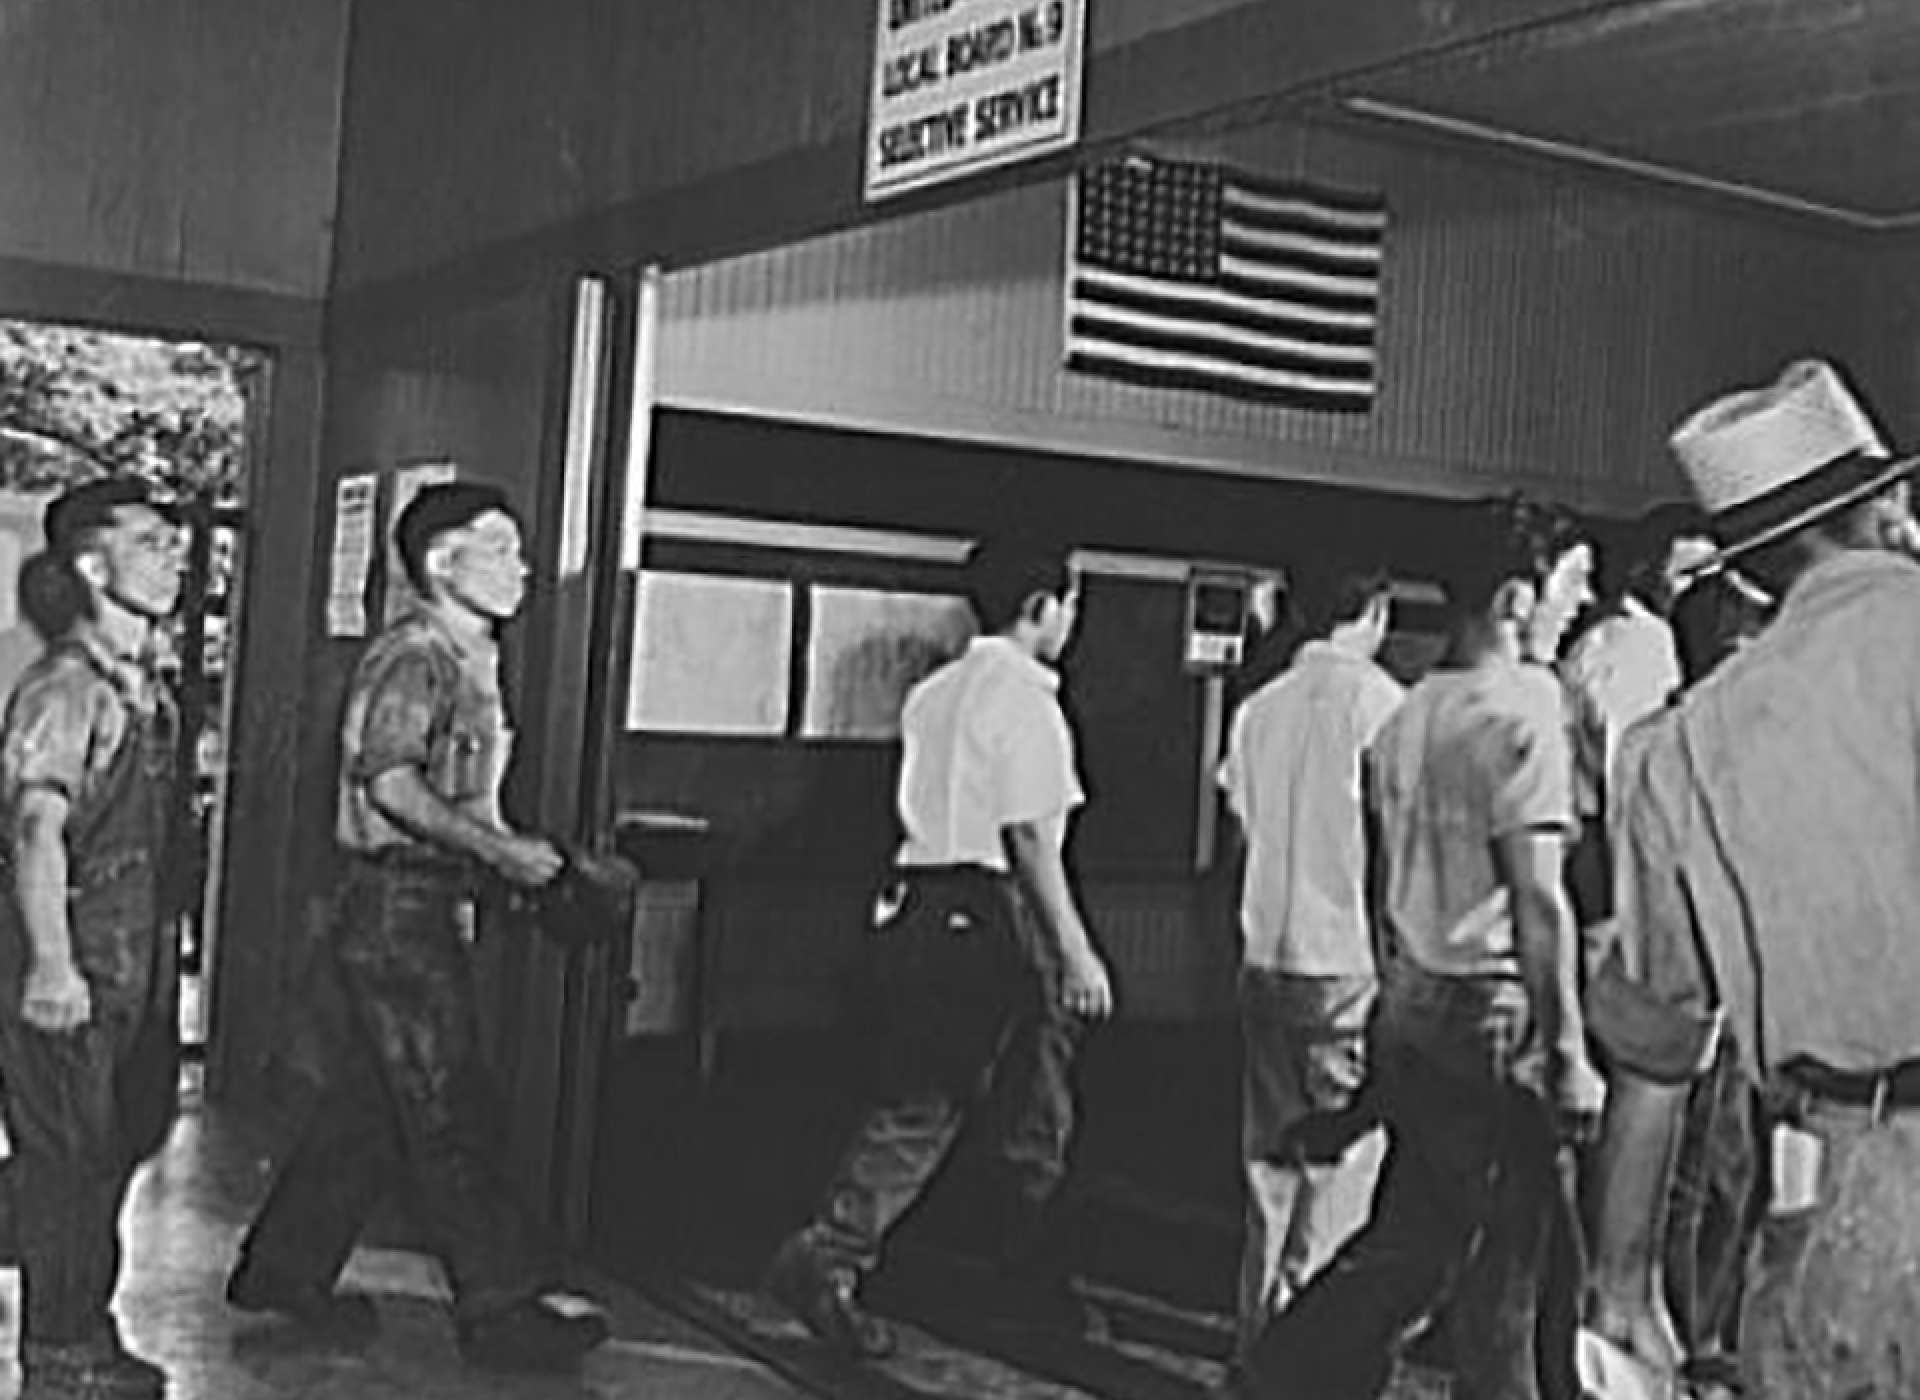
1768 879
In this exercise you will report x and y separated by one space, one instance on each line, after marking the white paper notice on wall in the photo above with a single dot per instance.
865 651
354 498
710 654
961 86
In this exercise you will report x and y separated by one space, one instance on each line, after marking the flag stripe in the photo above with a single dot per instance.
1191 275
1263 270
1140 297
1176 372
1247 351
1301 250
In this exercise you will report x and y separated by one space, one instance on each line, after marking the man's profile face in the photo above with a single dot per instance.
1567 588
142 560
1058 615
485 567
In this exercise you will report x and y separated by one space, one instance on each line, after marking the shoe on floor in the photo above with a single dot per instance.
822 1298
251 1288
532 1335
93 1370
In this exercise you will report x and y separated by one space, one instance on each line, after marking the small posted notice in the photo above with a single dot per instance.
961 86
354 499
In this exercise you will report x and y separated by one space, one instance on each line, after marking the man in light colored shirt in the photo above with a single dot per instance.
1626 665
1292 777
979 947
1478 1058
1767 877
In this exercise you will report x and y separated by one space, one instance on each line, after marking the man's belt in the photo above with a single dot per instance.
413 860
1897 1087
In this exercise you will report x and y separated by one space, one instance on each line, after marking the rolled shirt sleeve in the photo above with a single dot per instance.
402 698
1532 784
1036 778
49 739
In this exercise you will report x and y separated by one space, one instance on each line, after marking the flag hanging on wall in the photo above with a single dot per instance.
1186 274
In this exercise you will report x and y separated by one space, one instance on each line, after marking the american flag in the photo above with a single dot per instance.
1185 274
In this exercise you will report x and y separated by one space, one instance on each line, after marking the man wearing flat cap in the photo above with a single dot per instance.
87 788
1768 844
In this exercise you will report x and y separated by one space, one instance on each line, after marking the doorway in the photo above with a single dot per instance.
77 403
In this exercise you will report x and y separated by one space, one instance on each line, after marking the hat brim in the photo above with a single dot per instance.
1737 537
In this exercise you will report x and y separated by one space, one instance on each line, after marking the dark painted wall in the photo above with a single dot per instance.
476 130
190 140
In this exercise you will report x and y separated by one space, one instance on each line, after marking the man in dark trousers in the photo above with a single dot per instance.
1477 1058
984 963
410 1100
88 787
1766 883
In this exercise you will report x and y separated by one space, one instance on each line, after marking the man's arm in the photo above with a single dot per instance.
55 997
1530 861
401 794
1038 866
1649 1008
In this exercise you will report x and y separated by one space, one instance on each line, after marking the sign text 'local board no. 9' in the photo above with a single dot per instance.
961 86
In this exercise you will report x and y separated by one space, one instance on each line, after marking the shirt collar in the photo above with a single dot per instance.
1001 651
130 676
466 647
1325 649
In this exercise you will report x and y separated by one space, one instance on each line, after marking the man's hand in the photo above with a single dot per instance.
56 997
528 860
1086 989
1579 1096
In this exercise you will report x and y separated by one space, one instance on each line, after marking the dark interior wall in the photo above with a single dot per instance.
167 167
193 141
489 132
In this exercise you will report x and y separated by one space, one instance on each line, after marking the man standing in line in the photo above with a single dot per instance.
1622 669
1767 879
1307 978
410 1100
87 783
1478 1055
978 944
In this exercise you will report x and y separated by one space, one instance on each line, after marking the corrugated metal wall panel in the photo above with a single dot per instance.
1539 330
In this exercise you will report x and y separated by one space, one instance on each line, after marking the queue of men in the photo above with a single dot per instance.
1666 1145
1576 985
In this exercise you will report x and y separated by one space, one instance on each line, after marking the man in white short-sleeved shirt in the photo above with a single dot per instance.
983 964
1292 778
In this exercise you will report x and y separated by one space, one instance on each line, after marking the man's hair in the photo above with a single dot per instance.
1006 573
1649 541
52 594
1324 598
438 510
75 518
1501 539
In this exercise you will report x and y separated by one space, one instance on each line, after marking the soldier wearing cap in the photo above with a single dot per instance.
1767 878
87 787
